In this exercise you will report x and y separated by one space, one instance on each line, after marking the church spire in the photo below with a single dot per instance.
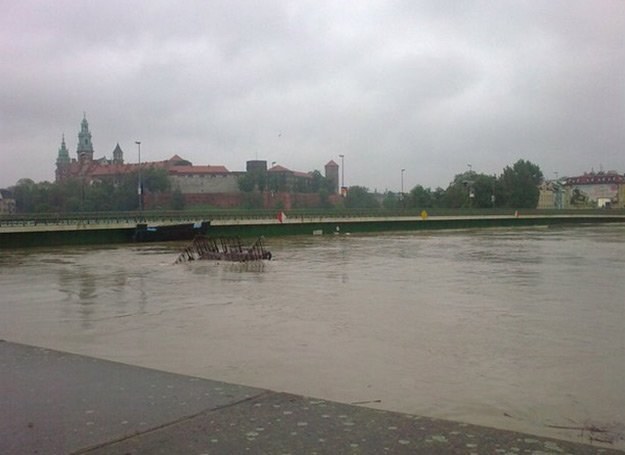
62 160
118 155
63 156
85 147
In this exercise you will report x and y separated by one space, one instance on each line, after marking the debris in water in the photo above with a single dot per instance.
223 249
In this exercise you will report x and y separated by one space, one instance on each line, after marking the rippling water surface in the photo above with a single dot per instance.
521 329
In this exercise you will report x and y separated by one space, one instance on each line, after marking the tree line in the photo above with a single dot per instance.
80 195
516 187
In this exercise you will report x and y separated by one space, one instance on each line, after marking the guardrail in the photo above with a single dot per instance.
27 219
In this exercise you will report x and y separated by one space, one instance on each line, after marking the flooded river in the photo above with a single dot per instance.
521 329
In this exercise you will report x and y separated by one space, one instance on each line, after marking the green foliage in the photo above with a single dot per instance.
78 195
483 190
324 198
419 197
391 201
320 184
519 185
251 181
155 180
359 197
469 190
261 181
247 182
438 197
457 193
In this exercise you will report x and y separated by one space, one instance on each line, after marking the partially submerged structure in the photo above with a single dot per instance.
223 249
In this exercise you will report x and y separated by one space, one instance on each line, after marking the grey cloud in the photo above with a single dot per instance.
426 86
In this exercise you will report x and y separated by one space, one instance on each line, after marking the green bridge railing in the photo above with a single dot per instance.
237 214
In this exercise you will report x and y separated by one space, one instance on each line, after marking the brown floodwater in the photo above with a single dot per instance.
521 329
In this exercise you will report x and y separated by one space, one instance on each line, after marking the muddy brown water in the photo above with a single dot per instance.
522 329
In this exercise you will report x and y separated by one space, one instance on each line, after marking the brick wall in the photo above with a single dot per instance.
283 201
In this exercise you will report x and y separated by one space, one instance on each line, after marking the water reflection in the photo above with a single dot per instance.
228 271
79 289
92 294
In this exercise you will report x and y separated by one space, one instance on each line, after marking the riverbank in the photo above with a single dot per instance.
56 402
133 228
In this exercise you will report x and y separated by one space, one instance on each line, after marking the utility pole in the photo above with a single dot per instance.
343 192
401 194
140 185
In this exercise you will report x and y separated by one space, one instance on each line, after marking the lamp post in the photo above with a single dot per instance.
342 174
140 185
401 194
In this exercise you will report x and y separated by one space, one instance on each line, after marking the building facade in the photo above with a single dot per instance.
183 175
214 185
595 190
7 203
590 190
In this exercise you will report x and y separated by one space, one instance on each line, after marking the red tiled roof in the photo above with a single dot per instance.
596 179
198 170
278 168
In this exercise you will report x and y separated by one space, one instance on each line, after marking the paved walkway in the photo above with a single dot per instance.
56 403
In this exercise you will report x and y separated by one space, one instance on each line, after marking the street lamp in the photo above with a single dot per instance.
401 194
342 174
140 185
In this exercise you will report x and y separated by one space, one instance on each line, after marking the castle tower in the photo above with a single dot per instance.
85 147
118 155
62 161
259 166
332 175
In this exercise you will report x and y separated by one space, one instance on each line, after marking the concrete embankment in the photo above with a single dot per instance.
124 229
57 403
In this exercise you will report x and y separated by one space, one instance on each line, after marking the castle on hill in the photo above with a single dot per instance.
204 184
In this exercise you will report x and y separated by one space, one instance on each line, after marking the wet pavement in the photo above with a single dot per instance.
53 402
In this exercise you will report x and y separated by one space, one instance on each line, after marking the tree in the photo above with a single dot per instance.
419 197
155 180
458 193
519 185
247 182
438 197
24 194
391 201
253 180
359 197
319 183
483 190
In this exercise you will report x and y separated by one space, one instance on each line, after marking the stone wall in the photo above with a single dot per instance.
278 201
205 183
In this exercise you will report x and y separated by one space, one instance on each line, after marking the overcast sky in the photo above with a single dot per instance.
429 86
